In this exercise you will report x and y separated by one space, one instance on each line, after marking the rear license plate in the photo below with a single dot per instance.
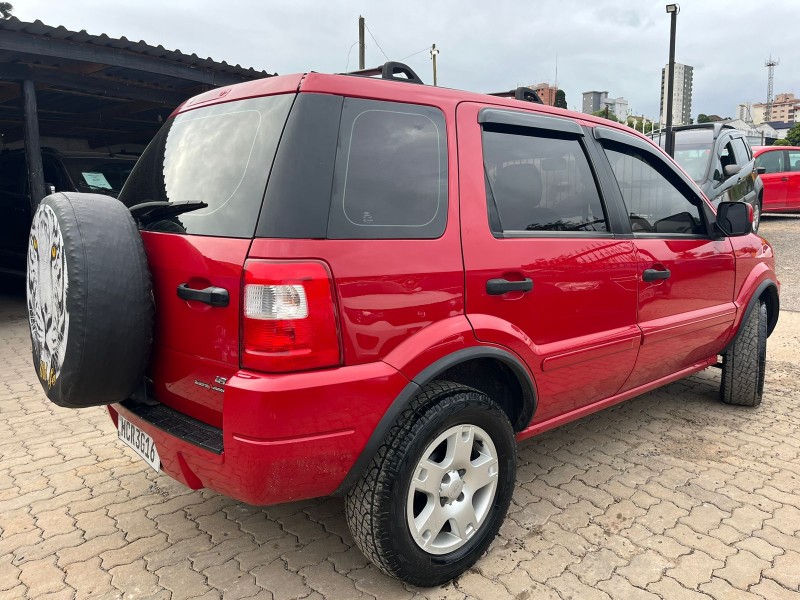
141 443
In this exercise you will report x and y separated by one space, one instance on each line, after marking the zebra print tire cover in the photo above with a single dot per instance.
90 301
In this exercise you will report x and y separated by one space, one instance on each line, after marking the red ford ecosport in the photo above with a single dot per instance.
335 284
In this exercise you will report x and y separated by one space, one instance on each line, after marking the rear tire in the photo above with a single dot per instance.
744 363
756 215
436 492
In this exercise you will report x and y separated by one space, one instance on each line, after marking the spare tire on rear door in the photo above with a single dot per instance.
90 301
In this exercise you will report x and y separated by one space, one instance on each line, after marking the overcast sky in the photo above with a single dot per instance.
614 45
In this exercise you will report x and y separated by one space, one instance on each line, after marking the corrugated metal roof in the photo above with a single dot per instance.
141 47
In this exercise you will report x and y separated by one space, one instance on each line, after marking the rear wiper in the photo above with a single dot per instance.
149 210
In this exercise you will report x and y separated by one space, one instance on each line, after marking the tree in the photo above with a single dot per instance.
793 137
5 9
561 99
607 113
636 123
781 143
702 118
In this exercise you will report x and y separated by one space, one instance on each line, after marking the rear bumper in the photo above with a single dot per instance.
284 437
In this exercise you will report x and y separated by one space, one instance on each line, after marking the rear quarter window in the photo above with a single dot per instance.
390 176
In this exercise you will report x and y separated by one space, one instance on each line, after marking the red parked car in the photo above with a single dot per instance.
781 177
335 284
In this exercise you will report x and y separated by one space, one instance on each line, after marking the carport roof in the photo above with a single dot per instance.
95 87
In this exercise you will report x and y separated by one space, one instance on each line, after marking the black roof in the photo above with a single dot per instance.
103 89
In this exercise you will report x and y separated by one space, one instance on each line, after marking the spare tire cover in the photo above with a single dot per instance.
90 301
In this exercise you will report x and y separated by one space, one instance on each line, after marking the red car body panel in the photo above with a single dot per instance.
594 334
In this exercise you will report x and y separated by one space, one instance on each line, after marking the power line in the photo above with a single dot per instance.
376 42
348 55
425 49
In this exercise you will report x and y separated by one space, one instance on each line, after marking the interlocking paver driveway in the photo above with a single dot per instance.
671 495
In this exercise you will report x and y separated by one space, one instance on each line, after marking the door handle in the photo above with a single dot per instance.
496 287
655 274
784 179
215 296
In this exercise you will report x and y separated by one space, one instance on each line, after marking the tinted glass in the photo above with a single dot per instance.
771 161
390 178
220 155
653 202
742 151
540 184
692 151
794 161
101 175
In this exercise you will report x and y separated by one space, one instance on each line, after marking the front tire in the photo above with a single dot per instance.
437 491
744 363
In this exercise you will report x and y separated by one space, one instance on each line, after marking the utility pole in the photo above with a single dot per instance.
673 10
434 54
361 47
770 64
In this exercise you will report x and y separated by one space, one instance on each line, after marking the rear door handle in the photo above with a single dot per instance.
784 179
215 296
496 287
655 274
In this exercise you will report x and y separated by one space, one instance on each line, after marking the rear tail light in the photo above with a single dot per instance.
288 317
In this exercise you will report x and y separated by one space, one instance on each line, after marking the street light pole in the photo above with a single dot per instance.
434 54
673 10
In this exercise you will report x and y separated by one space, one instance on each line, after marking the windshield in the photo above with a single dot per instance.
220 155
101 174
692 150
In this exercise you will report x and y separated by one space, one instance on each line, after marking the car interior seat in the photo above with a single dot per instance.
518 194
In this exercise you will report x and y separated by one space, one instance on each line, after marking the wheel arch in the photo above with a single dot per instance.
497 372
767 292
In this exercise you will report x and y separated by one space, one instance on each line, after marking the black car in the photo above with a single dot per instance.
719 159
63 172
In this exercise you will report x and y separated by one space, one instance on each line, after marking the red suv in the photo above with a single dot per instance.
335 284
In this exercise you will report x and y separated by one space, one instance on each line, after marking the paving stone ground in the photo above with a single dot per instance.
668 496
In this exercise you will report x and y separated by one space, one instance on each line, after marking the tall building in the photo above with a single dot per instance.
785 109
546 92
593 101
681 95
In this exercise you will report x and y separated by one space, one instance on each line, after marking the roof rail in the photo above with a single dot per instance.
523 93
394 71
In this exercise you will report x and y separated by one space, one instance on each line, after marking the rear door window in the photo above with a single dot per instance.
794 161
539 183
220 155
390 178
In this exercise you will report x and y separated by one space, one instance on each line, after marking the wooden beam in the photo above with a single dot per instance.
39 45
96 86
33 151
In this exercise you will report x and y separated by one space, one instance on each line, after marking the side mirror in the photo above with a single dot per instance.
735 218
730 170
761 170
